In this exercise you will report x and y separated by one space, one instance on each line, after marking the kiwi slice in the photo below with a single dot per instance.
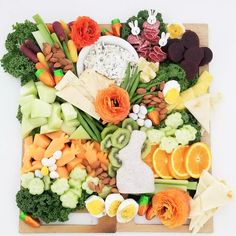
120 138
106 143
113 157
147 147
111 170
108 130
130 124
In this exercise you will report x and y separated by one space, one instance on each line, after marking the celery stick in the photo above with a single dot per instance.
56 40
39 38
66 50
163 187
45 34
38 19
171 181
192 185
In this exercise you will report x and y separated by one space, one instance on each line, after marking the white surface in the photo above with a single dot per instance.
221 17
106 40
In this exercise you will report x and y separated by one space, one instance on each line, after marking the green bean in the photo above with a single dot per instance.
131 80
86 126
134 85
97 123
92 125
127 77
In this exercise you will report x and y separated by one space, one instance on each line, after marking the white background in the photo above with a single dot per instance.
221 17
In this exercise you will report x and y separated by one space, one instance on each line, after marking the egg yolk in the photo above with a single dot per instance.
175 30
171 96
95 207
128 212
113 207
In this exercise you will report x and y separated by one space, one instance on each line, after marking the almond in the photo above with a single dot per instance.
156 99
46 49
162 85
112 181
53 59
104 167
104 174
48 56
153 88
68 67
101 185
92 186
152 103
99 171
57 65
146 101
149 96
54 50
56 45
95 165
85 162
163 111
97 189
141 91
59 54
162 105
114 190
160 94
106 181
89 169
162 117
65 61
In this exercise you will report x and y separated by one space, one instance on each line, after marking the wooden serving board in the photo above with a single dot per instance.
109 225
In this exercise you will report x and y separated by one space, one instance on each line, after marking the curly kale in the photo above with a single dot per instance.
174 72
21 32
18 66
141 17
47 206
14 62
19 114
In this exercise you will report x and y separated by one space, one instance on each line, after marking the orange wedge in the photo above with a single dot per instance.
160 164
148 159
176 163
198 158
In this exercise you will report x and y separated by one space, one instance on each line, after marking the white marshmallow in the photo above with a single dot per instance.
136 108
57 155
133 116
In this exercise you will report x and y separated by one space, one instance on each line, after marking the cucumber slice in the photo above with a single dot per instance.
46 93
68 111
111 171
55 120
171 181
80 133
47 129
40 109
67 129
163 187
26 109
28 89
36 186
26 99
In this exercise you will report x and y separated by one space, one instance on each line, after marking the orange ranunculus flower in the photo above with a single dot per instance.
112 104
172 207
84 31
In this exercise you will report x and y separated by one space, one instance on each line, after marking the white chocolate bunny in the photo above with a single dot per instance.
135 30
164 38
152 16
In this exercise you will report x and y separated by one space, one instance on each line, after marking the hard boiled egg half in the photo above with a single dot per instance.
95 206
112 203
127 210
171 91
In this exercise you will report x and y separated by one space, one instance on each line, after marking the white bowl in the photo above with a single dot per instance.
106 40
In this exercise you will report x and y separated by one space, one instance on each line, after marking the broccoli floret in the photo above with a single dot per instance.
60 186
174 120
36 186
69 199
155 136
168 144
88 180
78 174
26 178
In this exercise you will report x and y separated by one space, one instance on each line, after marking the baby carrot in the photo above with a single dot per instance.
29 220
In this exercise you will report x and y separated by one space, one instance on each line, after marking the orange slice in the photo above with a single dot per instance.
148 159
160 164
198 158
177 161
